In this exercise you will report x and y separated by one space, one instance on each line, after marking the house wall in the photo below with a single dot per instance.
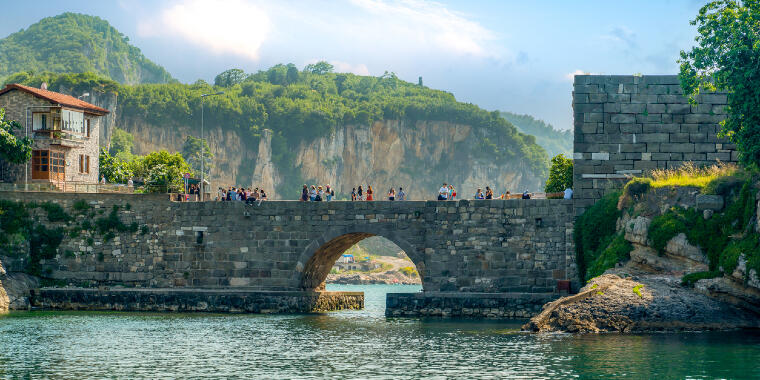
15 103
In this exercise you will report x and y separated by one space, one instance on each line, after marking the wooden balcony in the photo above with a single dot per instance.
60 138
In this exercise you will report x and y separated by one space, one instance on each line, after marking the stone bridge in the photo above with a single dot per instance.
496 258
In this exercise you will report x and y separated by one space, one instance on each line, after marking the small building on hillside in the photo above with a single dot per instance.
65 131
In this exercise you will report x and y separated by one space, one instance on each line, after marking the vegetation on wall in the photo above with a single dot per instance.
726 59
78 43
596 241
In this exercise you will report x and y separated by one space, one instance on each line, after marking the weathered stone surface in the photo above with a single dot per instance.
680 246
709 202
469 305
637 230
611 303
469 246
206 300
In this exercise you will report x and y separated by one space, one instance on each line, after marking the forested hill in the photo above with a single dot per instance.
553 140
77 43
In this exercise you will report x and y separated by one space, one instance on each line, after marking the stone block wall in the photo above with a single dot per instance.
494 246
628 125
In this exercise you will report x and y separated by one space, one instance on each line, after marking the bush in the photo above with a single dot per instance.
617 251
637 187
594 230
409 271
665 227
81 206
55 212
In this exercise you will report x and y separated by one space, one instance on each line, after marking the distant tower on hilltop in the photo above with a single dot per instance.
419 82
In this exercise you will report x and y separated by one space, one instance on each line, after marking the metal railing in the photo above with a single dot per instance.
67 187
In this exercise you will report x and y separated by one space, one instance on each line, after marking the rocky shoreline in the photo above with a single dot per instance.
646 293
383 278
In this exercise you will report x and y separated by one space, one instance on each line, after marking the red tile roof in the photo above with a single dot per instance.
55 97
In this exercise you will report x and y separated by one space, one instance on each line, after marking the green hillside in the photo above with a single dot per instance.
301 105
552 140
77 43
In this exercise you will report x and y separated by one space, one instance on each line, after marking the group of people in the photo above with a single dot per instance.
316 193
242 195
448 193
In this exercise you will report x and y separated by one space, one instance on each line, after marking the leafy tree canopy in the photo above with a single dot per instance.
121 142
229 78
73 42
560 174
727 58
17 150
319 68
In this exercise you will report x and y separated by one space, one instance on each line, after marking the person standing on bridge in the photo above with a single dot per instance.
401 194
479 194
369 193
360 193
353 194
443 192
489 193
391 194
305 193
313 193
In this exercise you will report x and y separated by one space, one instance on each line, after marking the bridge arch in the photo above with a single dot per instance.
320 255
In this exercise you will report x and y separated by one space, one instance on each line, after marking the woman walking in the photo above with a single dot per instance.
489 193
391 194
353 194
369 193
360 193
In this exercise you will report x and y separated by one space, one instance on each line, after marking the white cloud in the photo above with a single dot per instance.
571 76
230 26
426 23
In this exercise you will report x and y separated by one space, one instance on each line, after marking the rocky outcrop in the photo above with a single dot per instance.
610 303
387 278
4 301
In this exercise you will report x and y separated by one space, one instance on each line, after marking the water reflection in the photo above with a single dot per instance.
350 344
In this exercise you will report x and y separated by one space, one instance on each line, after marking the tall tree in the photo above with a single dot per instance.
191 151
560 174
727 58
121 144
292 74
230 78
17 150
319 68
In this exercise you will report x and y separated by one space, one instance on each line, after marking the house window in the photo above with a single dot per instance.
87 127
40 164
40 121
57 162
84 164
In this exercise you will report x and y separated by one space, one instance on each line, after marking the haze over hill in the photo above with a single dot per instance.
326 127
554 141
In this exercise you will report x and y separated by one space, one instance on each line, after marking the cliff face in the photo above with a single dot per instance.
386 154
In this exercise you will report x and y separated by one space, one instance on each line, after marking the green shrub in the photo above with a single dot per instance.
55 212
691 278
81 206
637 187
665 227
594 230
617 251
144 229
560 174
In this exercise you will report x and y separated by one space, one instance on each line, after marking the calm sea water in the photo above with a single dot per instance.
352 344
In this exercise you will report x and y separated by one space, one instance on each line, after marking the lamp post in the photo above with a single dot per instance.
202 145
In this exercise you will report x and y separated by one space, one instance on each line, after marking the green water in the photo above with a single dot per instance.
352 344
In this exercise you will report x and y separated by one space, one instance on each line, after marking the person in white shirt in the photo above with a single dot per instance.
443 192
401 194
568 193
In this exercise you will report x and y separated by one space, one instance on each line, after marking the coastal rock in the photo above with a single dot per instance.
17 289
637 230
680 246
610 303
387 278
4 301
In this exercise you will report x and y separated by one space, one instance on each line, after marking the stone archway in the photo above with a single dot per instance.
319 257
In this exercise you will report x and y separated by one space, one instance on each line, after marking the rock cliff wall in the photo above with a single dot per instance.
389 153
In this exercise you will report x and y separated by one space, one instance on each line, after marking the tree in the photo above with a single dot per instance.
114 169
560 174
191 151
319 68
292 74
727 58
17 150
121 144
230 78
162 171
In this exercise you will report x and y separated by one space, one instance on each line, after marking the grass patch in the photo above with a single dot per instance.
692 175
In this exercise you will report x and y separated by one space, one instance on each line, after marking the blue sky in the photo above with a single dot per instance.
509 55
